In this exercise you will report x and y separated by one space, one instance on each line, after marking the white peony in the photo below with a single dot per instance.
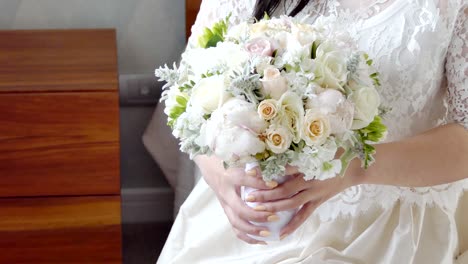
333 104
366 106
243 114
209 93
232 132
235 143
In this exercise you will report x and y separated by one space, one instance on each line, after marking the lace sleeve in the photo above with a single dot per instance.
457 69
212 11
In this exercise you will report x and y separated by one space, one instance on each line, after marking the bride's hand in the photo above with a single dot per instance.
226 185
298 192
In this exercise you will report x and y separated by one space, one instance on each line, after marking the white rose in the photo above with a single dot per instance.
232 55
209 93
267 109
290 114
259 28
286 42
238 31
331 67
304 33
260 46
273 83
278 139
202 61
315 128
366 106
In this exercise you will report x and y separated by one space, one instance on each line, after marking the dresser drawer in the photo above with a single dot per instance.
60 230
63 143
58 60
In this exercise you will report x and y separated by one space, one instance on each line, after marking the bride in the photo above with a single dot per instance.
409 207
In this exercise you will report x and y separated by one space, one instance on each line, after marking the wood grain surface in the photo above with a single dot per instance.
60 230
59 144
59 147
52 60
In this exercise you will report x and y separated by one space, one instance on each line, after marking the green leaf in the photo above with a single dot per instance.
266 16
374 132
211 37
347 156
327 166
314 50
275 53
181 100
170 123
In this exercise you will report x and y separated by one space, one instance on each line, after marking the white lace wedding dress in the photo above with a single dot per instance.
421 50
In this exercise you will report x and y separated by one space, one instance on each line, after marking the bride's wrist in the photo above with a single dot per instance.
355 174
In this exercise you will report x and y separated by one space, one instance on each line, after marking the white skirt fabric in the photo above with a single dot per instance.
402 233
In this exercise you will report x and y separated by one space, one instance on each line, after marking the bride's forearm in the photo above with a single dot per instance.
435 157
210 168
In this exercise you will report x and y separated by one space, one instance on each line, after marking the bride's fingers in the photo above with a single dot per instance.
283 191
244 226
290 170
299 218
250 178
247 213
289 203
247 239
256 182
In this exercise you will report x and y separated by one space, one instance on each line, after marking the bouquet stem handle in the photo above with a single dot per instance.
284 216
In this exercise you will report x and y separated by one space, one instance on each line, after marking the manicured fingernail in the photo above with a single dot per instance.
271 184
264 233
283 236
260 208
250 198
272 218
251 172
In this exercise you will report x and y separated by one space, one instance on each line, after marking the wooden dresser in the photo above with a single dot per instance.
59 147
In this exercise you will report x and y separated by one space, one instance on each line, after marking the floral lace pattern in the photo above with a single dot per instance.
420 47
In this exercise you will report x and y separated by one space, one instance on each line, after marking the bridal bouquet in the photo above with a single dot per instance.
276 92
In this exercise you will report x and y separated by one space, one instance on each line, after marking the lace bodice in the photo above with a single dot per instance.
420 47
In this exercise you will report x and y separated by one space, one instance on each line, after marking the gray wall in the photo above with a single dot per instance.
149 33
